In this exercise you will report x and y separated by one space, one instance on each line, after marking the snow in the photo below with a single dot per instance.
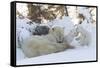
71 55
19 54
22 8
86 13
65 23
80 53
24 23
23 30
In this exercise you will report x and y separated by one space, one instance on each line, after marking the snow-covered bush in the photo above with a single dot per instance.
24 29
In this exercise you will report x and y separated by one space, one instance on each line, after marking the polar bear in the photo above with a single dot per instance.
84 37
70 36
42 45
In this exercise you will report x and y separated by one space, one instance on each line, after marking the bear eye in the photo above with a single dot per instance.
53 29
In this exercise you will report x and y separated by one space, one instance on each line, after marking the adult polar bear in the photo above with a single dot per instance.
42 45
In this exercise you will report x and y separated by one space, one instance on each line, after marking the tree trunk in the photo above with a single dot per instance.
66 11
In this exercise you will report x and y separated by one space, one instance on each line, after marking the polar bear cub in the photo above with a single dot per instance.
42 45
84 37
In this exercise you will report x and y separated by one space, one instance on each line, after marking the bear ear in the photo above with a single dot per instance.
50 30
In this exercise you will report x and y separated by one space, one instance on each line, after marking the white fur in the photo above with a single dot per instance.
84 37
70 36
42 45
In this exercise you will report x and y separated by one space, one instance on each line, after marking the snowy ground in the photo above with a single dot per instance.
80 53
71 55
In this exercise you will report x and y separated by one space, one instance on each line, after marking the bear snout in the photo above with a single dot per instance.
59 41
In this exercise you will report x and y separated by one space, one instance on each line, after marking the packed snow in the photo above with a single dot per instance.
80 53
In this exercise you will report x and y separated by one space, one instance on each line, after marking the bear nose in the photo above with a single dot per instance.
59 41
